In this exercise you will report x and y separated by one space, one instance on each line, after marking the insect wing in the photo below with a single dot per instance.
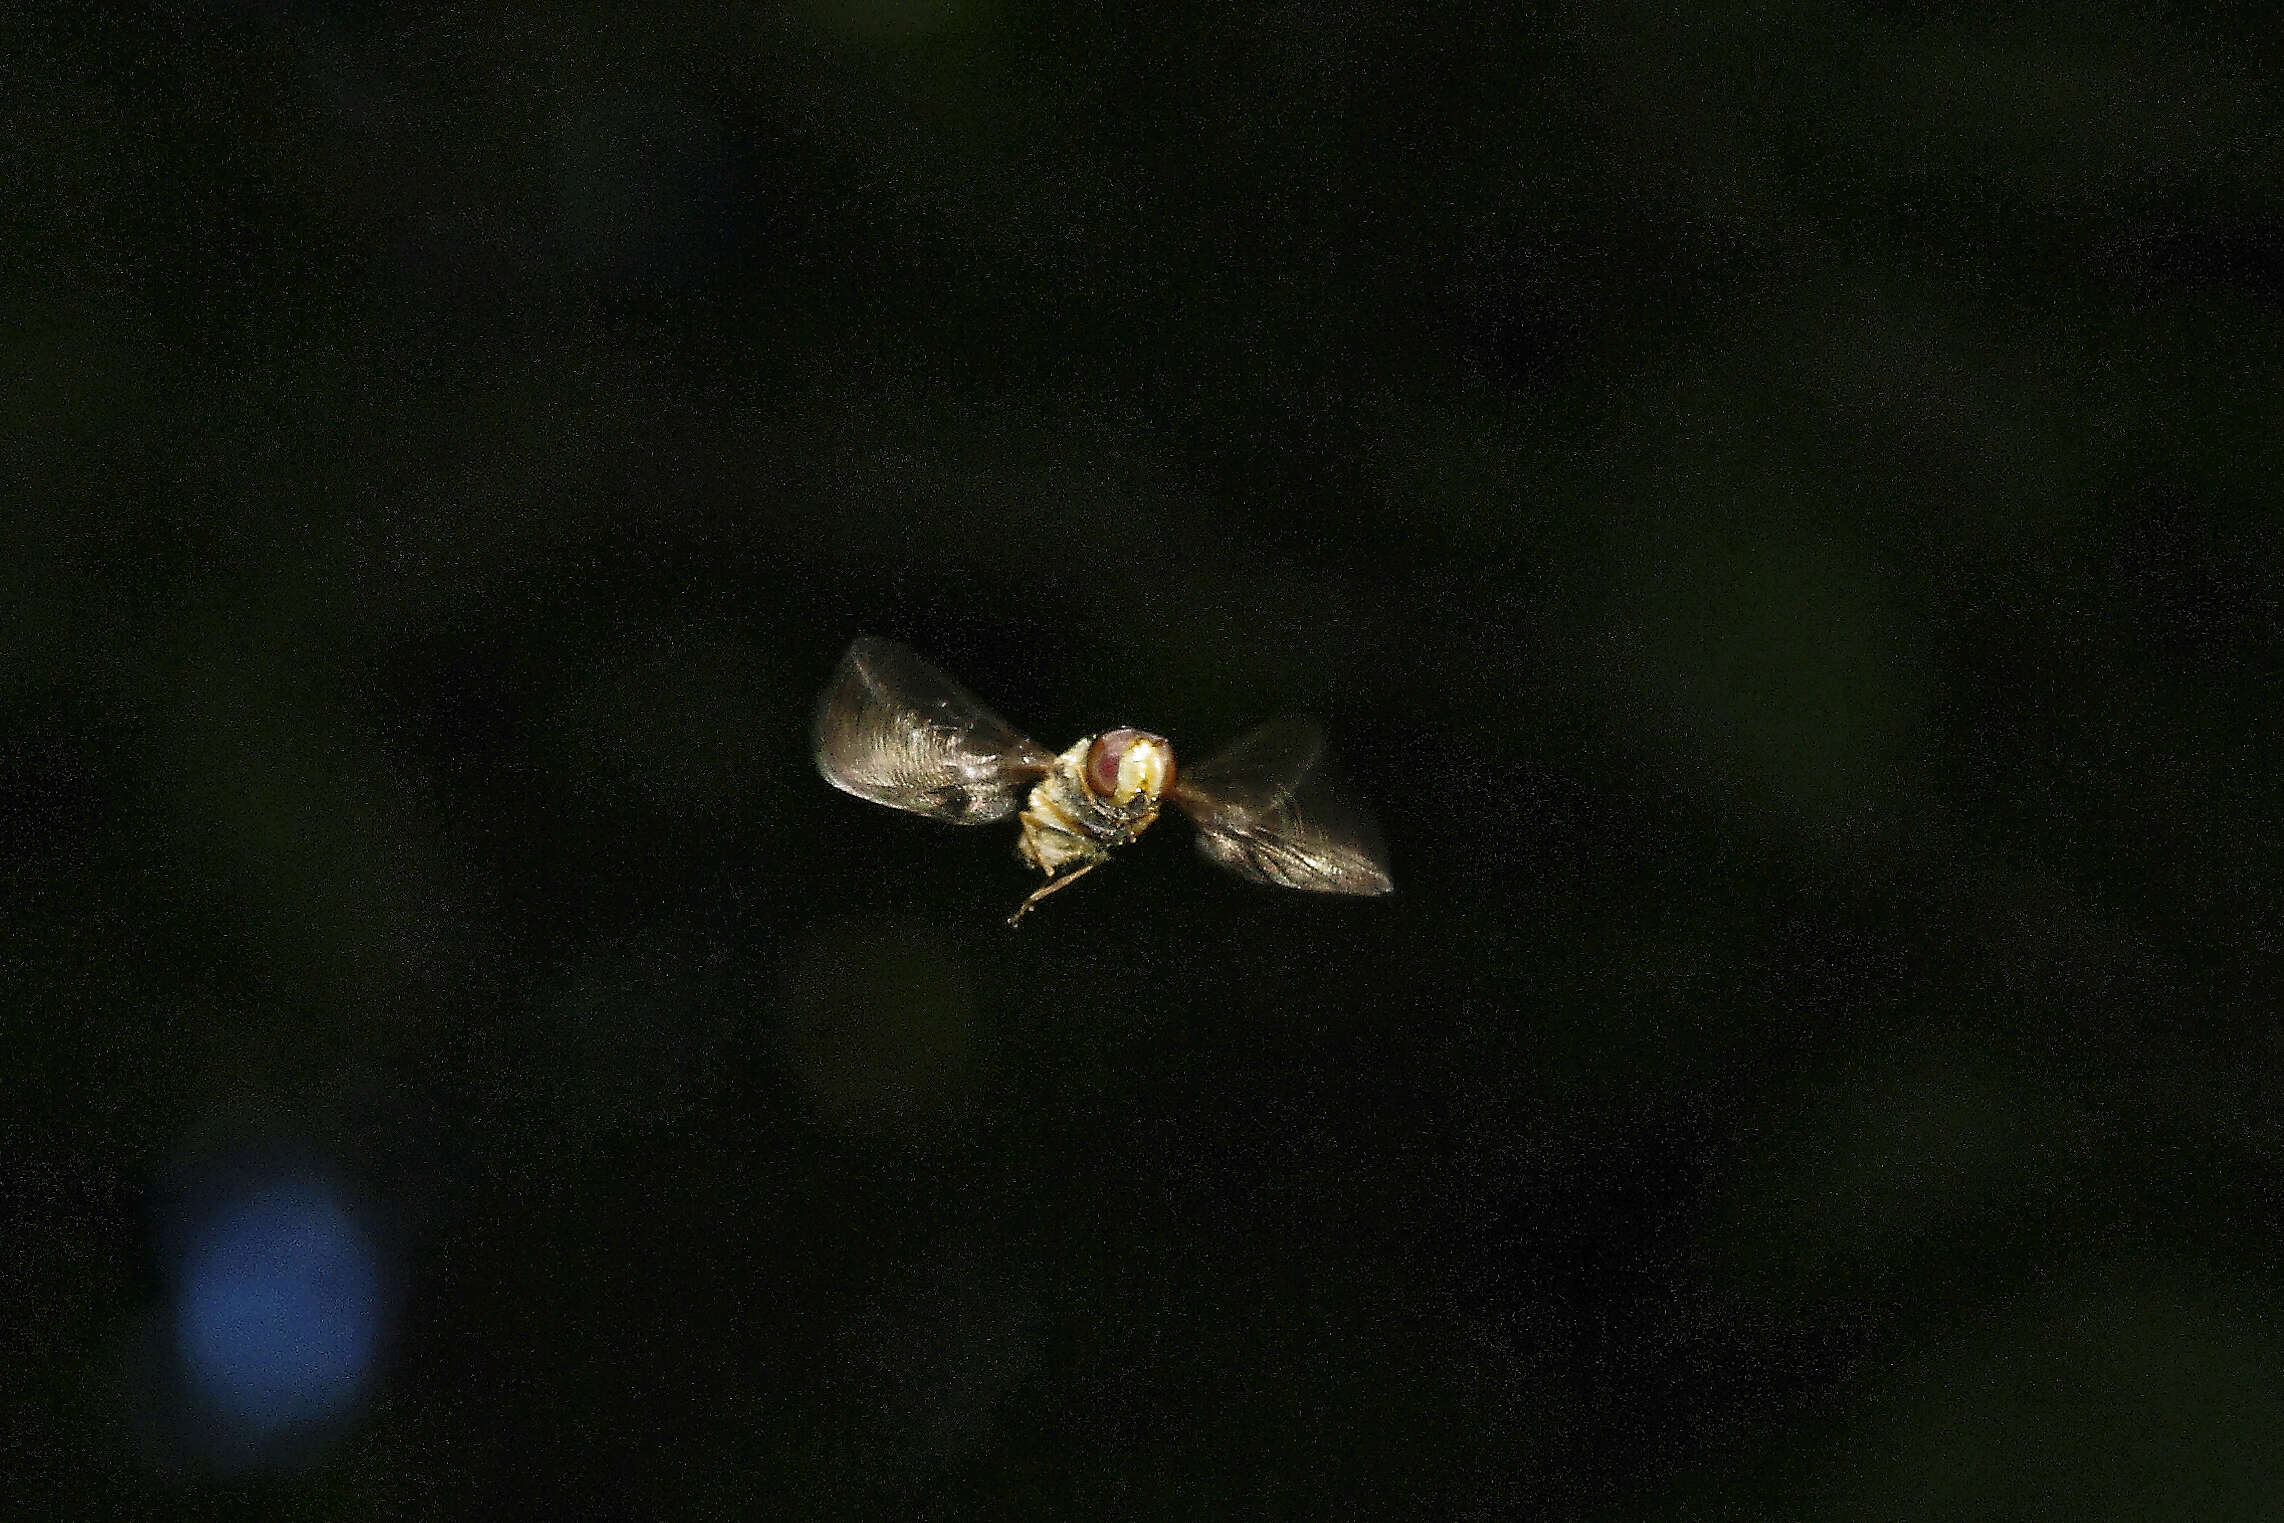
892 729
1273 807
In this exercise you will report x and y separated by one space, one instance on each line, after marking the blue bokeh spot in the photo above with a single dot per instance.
279 1308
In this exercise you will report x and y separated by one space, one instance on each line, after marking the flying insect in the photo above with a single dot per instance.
1269 807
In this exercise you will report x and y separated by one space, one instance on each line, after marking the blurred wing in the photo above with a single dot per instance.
1273 808
893 729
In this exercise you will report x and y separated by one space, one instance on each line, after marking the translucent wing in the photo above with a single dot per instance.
1273 808
893 729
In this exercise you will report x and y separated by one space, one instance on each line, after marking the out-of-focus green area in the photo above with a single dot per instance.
1777 505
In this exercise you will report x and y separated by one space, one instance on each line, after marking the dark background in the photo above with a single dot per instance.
1776 503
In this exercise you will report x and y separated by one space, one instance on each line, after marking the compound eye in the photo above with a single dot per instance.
1103 759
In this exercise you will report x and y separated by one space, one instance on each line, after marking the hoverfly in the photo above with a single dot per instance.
892 729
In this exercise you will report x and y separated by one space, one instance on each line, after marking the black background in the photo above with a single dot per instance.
1776 503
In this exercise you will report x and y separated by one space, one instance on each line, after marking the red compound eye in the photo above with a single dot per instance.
1103 757
1108 754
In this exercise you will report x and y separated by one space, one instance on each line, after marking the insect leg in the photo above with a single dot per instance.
1052 884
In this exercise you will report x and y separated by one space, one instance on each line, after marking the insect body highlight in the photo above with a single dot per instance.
1097 796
